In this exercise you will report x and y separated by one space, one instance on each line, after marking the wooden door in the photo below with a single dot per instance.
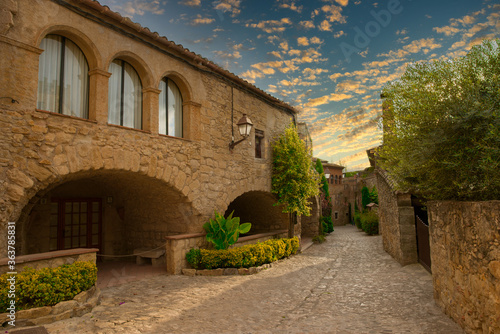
76 223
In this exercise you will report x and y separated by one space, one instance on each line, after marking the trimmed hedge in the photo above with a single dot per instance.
243 257
47 286
369 222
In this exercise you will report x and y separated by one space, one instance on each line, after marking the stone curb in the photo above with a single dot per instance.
81 304
225 271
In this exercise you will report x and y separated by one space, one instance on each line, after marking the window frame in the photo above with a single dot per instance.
165 103
61 79
259 144
122 96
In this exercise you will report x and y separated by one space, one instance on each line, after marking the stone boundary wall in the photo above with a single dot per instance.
226 271
81 304
465 253
50 259
178 245
396 221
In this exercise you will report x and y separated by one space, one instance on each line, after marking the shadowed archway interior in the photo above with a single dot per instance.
136 211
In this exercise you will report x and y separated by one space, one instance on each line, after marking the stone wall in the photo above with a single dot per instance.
177 246
311 224
465 252
49 259
151 185
396 221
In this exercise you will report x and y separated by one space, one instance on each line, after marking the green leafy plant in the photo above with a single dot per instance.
441 125
294 180
48 286
224 232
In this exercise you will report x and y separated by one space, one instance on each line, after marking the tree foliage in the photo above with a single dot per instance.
294 180
365 197
442 127
324 181
374 195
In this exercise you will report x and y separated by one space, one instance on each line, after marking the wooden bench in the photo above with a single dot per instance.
157 256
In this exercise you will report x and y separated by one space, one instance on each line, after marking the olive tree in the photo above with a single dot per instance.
442 126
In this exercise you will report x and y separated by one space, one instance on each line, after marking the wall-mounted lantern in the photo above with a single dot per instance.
244 127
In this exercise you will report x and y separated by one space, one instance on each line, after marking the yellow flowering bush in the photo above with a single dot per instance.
244 256
47 286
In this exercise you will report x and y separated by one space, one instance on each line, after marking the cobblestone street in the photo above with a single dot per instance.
345 285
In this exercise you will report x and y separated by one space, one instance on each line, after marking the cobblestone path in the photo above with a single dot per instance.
345 285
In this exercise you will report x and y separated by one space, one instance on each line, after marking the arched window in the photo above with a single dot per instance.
170 111
125 95
63 78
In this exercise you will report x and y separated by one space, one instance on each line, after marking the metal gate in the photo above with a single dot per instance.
423 245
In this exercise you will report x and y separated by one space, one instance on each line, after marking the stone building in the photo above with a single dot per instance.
337 189
114 137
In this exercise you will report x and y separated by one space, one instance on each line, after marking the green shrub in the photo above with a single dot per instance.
319 239
244 256
369 222
327 224
224 232
48 286
193 257
357 220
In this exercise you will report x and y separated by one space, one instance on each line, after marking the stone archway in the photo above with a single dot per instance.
136 211
257 208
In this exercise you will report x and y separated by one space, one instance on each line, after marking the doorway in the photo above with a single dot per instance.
75 223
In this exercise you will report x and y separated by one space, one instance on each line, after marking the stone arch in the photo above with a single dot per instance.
257 207
88 48
80 158
181 82
137 211
190 109
139 65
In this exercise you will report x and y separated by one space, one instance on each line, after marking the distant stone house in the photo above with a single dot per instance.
336 187
114 137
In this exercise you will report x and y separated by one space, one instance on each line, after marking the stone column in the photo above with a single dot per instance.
150 109
408 235
19 79
191 120
98 96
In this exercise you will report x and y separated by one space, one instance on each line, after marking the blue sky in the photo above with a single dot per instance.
327 58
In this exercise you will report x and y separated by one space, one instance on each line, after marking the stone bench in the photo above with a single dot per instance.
157 256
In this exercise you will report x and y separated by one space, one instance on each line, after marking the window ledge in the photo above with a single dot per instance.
174 137
128 128
66 116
